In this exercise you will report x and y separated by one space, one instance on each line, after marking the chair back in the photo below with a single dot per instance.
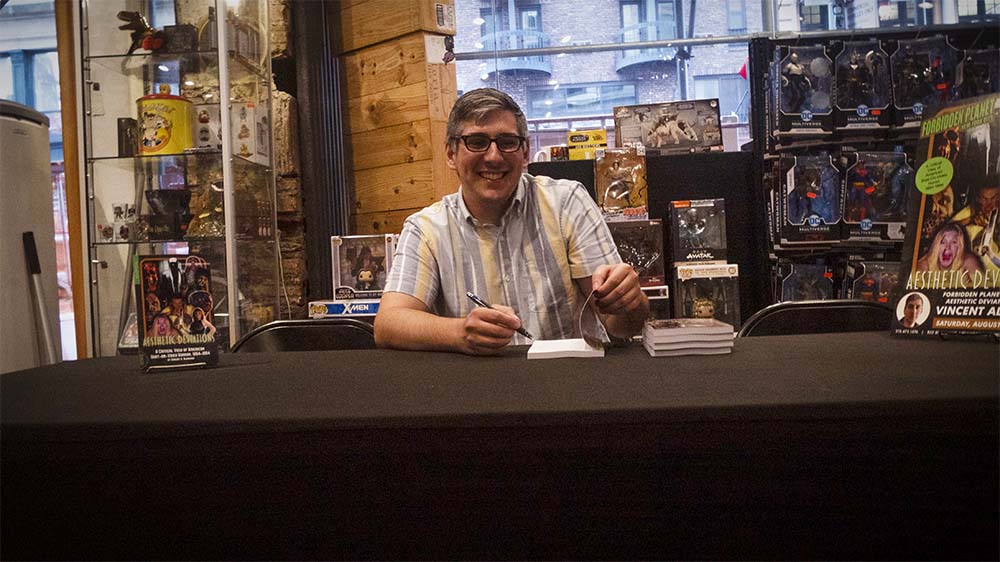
312 334
818 317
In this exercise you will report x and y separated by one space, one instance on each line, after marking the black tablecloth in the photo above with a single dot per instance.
828 446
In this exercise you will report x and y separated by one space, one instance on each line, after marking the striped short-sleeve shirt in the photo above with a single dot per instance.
551 234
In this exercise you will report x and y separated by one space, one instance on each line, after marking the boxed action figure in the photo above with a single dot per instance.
923 77
640 244
871 280
978 74
360 264
620 184
708 291
698 230
672 127
862 89
806 282
874 196
583 145
811 202
803 91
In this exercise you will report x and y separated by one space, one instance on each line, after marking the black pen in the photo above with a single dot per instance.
481 303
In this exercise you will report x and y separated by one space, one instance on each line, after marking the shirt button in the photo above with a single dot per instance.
506 278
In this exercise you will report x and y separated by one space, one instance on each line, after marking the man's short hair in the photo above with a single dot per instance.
914 297
477 105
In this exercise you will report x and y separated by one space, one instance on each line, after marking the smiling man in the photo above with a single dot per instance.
534 247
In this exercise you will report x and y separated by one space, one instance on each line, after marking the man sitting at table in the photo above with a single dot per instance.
533 247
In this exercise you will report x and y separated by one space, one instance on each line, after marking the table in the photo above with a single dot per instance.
855 445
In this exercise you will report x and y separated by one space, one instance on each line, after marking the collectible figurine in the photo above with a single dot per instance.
365 279
796 83
692 225
142 34
939 82
703 308
810 197
855 79
911 84
976 78
619 179
672 127
889 199
860 187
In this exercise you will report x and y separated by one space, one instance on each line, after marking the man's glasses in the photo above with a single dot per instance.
481 143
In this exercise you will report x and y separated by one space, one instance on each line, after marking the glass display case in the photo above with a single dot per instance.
177 129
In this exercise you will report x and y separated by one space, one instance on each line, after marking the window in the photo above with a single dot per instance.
736 16
31 78
814 18
578 100
731 91
6 79
978 10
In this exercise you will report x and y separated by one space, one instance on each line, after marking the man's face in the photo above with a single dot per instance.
488 178
912 310
987 199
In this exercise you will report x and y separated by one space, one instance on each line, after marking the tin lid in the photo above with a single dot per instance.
164 94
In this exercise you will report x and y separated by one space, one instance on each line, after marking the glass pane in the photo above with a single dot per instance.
46 81
6 79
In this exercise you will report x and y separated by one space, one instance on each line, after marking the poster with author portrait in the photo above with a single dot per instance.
951 256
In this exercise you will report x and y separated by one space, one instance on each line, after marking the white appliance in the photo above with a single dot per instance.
26 206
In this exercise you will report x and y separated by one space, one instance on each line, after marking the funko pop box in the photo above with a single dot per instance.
360 265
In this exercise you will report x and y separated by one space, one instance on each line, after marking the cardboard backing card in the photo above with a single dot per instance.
862 94
874 196
708 291
620 184
923 77
804 86
810 202
698 230
640 244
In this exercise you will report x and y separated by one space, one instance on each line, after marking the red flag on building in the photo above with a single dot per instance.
743 69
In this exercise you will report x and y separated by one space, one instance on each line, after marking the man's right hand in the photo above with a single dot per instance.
486 331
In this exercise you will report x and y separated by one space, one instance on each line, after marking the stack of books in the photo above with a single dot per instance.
687 336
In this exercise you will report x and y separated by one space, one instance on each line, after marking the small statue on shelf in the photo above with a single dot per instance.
856 79
206 207
143 35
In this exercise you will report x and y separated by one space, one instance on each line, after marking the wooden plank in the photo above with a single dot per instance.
385 66
374 21
408 142
386 222
402 186
385 109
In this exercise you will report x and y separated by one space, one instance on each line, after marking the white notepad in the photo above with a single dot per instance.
553 349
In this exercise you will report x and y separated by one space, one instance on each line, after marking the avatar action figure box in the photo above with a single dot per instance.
620 184
950 275
670 128
175 312
360 264
698 230
640 244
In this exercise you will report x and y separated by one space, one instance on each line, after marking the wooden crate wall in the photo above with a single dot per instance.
398 96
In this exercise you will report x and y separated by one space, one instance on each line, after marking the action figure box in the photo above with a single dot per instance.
708 291
874 196
670 128
803 89
810 205
360 264
174 319
862 92
583 145
640 244
871 280
978 73
805 282
659 302
698 230
951 255
620 184
923 77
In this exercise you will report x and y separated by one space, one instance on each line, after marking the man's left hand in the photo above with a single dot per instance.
616 289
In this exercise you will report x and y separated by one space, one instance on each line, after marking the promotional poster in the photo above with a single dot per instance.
175 320
950 278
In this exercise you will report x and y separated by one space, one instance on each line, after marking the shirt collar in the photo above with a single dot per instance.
515 206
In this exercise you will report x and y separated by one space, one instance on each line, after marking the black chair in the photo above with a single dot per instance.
313 334
818 317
